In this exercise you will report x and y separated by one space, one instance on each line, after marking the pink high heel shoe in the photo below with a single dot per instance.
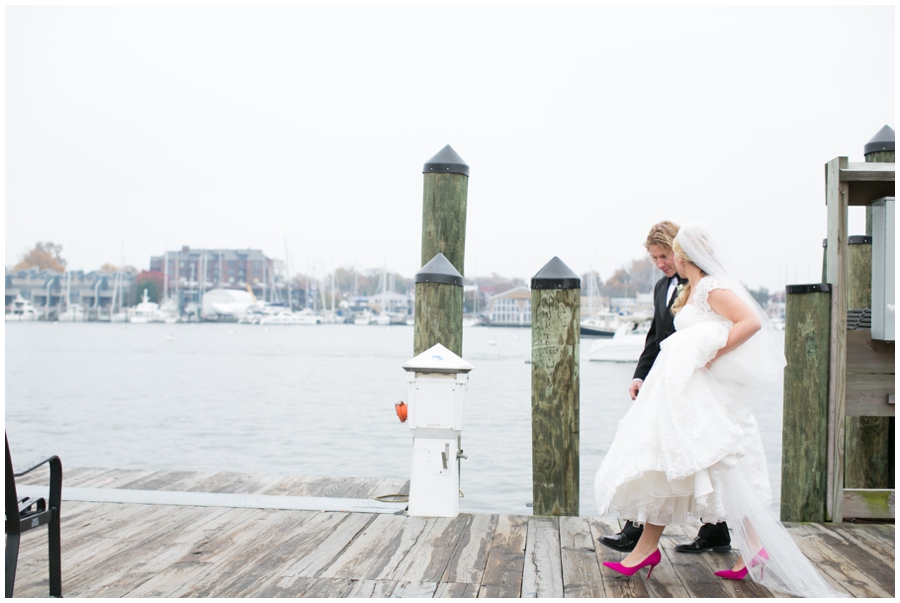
733 575
761 557
653 560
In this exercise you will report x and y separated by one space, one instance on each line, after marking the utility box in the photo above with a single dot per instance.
883 269
437 382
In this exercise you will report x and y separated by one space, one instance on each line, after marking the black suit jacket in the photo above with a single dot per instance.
662 325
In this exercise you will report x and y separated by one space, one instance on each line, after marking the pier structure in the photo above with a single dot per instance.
198 534
840 358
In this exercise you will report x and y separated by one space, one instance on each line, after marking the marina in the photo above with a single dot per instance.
137 549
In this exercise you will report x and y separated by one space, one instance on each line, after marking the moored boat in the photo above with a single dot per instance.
22 311
627 343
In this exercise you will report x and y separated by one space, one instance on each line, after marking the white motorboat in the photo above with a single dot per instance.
627 343
169 311
146 311
364 318
601 324
22 311
72 313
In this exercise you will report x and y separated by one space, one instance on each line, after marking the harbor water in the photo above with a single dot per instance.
298 400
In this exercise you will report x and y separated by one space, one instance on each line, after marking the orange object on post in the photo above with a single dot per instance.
400 407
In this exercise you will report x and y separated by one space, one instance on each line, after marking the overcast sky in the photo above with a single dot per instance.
147 128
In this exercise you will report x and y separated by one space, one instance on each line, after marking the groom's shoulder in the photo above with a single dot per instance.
663 282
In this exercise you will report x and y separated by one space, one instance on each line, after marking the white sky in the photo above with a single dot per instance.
232 127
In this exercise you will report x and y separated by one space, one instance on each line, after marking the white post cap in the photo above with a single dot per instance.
438 359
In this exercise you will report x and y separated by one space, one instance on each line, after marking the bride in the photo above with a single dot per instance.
689 447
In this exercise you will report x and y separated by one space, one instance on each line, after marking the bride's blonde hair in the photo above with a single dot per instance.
686 291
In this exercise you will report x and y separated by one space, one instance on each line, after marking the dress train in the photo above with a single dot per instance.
783 566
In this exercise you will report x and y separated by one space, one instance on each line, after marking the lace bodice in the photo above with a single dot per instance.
697 310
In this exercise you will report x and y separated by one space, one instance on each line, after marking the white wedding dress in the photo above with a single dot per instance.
690 449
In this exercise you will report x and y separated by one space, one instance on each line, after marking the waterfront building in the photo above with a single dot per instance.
391 302
50 291
189 272
510 308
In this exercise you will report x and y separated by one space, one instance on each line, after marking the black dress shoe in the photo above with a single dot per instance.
625 540
620 542
712 537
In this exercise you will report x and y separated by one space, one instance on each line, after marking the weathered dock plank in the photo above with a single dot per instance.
580 568
456 590
542 575
667 582
429 557
264 554
467 563
852 563
372 589
379 548
141 550
415 590
693 571
506 559
320 548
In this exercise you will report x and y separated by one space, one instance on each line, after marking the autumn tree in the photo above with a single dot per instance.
152 281
44 256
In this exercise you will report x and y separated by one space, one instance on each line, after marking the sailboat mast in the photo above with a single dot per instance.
287 268
166 276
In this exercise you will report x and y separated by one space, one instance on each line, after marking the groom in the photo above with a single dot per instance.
659 246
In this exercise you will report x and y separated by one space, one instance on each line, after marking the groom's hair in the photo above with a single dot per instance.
662 234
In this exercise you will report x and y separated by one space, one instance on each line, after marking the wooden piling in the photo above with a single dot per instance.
880 149
868 452
444 203
555 349
439 307
869 444
805 419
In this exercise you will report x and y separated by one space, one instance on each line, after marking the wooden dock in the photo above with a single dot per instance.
135 549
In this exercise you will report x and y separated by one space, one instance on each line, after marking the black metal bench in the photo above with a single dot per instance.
23 514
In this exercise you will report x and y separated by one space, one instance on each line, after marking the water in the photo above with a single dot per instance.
290 399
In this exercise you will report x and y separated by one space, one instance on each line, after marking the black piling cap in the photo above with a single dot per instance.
853 240
446 162
883 141
555 275
439 270
814 288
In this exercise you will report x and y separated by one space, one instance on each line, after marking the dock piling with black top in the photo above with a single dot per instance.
807 333
555 349
444 203
439 306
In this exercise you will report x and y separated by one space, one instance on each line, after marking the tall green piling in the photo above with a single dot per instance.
438 312
555 346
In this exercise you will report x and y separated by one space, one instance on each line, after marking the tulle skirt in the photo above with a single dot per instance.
687 427
690 449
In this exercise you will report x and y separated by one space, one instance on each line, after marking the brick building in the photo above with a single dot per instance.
189 269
